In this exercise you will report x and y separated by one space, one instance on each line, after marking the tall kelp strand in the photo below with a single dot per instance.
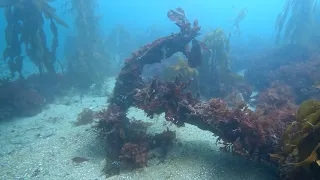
296 21
216 66
25 21
91 62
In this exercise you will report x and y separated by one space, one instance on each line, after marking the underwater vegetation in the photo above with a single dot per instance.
293 65
296 21
215 67
277 132
120 42
89 59
26 39
299 148
25 21
182 69
218 43
256 135
243 131
17 99
113 121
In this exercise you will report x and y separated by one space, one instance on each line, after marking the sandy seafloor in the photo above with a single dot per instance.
41 147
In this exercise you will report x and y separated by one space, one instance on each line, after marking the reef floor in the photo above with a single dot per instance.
48 146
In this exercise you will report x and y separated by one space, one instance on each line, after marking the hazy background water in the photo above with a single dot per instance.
136 16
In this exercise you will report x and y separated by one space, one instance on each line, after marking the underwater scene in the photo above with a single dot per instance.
159 90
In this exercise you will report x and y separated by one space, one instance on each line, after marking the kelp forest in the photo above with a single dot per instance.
269 113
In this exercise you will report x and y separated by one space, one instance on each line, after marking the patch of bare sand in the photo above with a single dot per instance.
42 147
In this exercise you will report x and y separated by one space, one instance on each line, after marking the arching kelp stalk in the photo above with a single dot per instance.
25 26
113 121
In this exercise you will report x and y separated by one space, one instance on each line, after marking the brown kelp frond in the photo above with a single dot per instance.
301 140
313 157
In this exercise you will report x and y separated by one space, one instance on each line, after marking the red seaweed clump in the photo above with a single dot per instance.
136 154
169 97
19 99
293 65
277 96
135 150
277 108
244 132
26 96
130 136
239 126
111 125
302 77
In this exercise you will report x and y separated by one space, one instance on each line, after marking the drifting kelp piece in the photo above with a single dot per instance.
49 11
240 16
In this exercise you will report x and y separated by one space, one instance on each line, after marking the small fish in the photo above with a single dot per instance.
6 3
116 163
316 85
79 159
